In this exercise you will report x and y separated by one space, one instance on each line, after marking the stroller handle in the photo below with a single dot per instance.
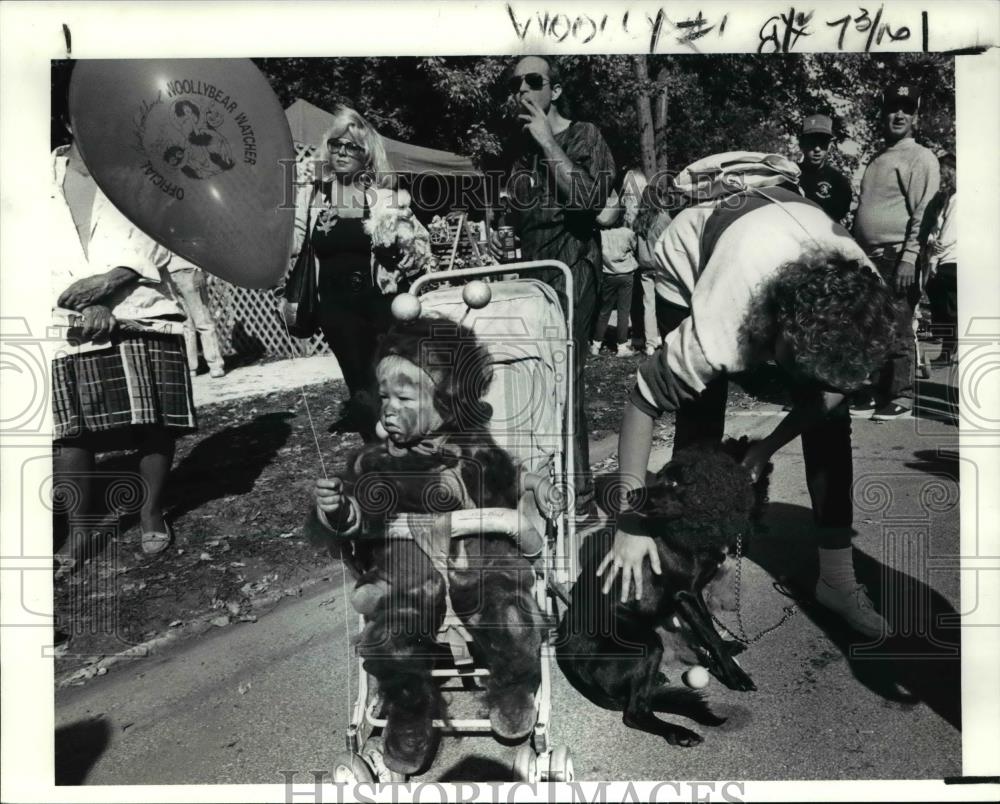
504 268
467 522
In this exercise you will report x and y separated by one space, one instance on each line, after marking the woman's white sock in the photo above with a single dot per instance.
836 567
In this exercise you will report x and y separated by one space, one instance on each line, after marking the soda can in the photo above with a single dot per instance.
508 244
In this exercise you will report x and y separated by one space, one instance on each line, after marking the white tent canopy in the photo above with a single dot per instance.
308 124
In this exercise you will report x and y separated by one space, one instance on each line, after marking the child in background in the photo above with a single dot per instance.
618 253
942 263
651 221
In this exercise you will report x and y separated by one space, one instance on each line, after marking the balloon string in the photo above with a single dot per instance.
343 568
312 427
305 400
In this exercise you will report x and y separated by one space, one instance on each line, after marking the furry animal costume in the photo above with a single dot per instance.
459 466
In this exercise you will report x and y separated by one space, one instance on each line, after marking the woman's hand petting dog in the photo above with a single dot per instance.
756 460
630 549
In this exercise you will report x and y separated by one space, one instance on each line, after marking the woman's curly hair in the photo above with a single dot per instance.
834 312
454 358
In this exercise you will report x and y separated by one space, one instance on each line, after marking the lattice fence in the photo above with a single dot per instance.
249 321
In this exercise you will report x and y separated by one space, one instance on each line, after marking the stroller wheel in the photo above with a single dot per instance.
350 768
525 764
560 765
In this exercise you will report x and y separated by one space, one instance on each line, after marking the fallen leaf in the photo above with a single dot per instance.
176 623
204 557
245 688
221 622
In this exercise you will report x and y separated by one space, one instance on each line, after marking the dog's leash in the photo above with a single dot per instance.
789 611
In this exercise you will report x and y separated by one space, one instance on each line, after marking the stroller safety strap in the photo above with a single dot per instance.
433 532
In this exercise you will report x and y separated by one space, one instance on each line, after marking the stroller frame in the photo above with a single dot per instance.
555 570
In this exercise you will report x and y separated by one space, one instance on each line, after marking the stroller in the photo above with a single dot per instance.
521 322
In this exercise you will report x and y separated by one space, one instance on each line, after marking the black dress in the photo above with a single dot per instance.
352 310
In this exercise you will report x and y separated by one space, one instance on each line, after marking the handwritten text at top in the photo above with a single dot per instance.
857 28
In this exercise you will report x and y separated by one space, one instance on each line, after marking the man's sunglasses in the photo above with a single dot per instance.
810 141
534 81
906 107
352 149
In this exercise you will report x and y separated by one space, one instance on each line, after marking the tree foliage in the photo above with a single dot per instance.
716 103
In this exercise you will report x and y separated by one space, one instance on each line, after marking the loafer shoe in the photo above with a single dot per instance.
854 607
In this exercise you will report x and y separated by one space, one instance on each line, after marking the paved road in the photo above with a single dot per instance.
247 702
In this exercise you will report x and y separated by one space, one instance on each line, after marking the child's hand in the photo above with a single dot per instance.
546 499
549 499
329 494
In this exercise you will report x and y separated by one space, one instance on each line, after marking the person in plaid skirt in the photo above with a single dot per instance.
119 375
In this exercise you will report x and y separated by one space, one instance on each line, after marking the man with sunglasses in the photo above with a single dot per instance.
820 181
897 187
562 175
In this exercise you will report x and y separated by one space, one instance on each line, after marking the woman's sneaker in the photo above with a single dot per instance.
595 348
890 411
625 350
863 408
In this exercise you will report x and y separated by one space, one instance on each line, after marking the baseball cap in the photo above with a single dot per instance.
818 124
908 94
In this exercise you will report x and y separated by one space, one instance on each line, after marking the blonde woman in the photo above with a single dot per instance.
367 245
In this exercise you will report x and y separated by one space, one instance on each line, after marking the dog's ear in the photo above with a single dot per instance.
737 448
658 501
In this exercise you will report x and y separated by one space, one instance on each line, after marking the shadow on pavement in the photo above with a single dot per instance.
919 663
78 746
936 462
479 769
227 463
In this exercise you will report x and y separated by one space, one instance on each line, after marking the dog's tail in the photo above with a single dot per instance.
685 702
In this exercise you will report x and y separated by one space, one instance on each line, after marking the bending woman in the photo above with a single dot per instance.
766 276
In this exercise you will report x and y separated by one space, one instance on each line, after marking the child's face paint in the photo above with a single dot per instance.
407 396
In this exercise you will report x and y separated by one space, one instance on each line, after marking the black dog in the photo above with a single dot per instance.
701 501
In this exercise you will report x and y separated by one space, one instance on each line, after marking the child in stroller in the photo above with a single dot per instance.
436 455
